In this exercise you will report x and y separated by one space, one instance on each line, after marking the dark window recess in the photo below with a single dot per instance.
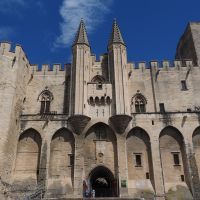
176 159
140 108
189 110
101 133
42 107
99 86
182 178
152 122
147 175
162 107
183 85
71 159
45 107
138 160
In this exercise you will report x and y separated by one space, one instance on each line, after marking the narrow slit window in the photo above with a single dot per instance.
182 178
138 160
147 175
176 158
183 85
71 159
162 107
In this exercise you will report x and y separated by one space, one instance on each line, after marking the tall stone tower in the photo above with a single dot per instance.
80 71
118 73
189 45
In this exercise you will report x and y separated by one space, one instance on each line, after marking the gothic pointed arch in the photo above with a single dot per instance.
45 98
62 150
101 128
138 103
98 79
195 158
28 157
139 159
100 147
173 159
103 181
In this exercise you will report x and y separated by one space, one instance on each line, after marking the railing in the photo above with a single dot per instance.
37 194
27 193
52 116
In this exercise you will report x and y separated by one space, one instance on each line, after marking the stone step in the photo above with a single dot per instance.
100 198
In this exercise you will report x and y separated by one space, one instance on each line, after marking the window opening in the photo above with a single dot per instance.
140 106
45 98
99 86
162 107
183 85
147 175
176 158
101 133
138 160
182 178
71 159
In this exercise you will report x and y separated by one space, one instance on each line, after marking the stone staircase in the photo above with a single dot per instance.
104 198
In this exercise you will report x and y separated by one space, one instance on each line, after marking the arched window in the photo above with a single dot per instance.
139 101
91 101
45 98
108 100
97 101
102 100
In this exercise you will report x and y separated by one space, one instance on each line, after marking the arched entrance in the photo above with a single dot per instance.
103 182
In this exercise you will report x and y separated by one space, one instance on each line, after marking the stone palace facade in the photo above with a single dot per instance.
122 129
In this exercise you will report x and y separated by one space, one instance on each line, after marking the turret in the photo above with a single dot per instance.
81 35
80 71
118 72
116 36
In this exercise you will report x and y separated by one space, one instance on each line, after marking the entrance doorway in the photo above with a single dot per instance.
103 182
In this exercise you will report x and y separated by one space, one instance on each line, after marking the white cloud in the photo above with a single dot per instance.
71 11
5 32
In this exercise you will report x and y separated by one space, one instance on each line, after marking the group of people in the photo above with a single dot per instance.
89 193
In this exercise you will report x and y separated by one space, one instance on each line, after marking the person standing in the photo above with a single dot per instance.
93 193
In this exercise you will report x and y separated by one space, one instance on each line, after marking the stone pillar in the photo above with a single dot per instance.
191 171
157 170
48 154
43 164
42 169
78 167
122 166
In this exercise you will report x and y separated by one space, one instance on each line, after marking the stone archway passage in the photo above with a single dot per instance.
28 157
103 182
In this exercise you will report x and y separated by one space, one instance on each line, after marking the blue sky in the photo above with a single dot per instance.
46 28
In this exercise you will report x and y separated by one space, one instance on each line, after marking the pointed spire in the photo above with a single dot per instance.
116 36
81 35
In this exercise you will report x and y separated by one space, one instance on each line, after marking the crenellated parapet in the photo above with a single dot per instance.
13 52
55 69
165 64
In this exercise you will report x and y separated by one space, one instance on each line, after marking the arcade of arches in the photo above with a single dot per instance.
98 159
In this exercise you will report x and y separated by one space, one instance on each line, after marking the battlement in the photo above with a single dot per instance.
13 51
55 69
164 65
99 59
